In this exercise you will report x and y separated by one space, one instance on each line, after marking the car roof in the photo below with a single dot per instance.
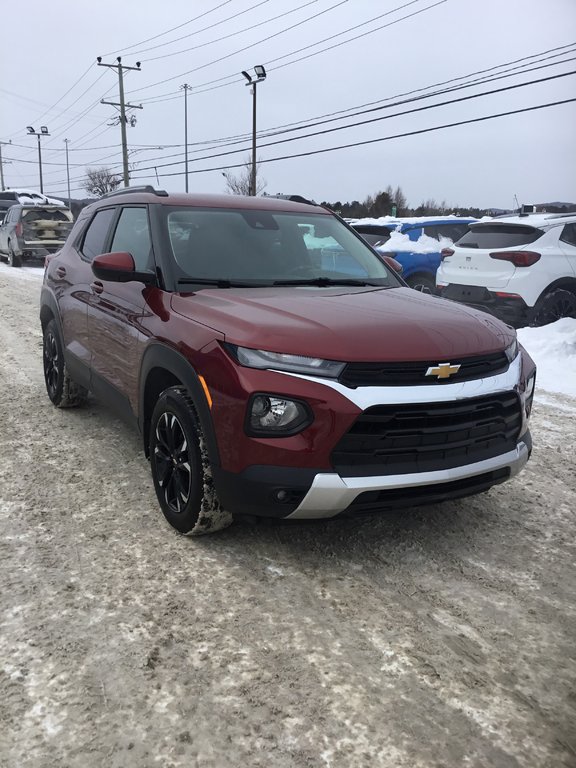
538 220
201 200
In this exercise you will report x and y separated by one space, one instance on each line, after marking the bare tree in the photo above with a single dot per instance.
99 181
240 183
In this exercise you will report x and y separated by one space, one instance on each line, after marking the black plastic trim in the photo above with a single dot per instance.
252 492
160 356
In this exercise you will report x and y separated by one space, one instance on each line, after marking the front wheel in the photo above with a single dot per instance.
421 283
62 390
181 468
553 306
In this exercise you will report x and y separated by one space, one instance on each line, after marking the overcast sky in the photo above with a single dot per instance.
50 77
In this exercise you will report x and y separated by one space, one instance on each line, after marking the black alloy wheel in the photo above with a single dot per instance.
62 390
52 363
172 461
181 468
554 306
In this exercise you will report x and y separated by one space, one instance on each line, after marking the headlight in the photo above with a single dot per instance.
258 358
273 416
511 350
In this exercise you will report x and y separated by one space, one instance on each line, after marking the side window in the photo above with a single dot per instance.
569 234
96 234
133 235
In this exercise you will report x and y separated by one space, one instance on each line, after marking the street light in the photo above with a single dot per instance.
260 73
43 132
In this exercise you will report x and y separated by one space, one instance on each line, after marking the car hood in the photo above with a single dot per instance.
352 324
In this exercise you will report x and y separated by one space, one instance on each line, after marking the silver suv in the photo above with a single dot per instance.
33 231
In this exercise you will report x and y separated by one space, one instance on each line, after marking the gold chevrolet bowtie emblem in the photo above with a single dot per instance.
443 370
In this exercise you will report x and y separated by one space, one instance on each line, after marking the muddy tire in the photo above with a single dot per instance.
421 283
181 468
553 306
62 390
13 259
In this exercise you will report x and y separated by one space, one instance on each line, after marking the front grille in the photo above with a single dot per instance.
412 374
424 437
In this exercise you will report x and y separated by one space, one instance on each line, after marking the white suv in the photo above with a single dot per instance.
520 268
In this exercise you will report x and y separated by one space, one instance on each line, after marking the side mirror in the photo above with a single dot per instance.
120 268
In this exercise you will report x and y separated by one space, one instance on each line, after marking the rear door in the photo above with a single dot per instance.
70 277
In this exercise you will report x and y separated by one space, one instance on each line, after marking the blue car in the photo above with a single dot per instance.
419 265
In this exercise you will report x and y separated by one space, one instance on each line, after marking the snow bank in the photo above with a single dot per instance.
553 349
425 244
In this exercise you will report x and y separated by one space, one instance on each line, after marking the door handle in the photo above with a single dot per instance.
61 272
97 286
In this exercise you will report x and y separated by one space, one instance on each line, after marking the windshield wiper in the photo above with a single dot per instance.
218 282
324 282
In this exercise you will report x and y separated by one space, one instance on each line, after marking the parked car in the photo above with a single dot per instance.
265 380
33 231
520 268
418 250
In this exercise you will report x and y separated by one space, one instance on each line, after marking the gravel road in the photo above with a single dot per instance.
428 638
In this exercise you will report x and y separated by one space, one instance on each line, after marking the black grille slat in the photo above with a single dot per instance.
414 373
428 436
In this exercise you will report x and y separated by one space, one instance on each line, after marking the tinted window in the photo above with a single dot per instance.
260 246
96 234
133 235
46 214
373 239
569 234
499 236
453 231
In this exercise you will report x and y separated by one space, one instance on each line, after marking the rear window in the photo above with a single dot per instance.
47 214
499 236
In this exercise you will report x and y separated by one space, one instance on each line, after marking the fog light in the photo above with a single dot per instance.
276 416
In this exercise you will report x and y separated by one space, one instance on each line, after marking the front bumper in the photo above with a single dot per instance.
289 492
331 494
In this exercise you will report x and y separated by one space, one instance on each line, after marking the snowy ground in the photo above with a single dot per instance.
427 638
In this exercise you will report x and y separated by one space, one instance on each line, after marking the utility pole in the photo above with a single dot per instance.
123 106
67 171
253 81
186 88
1 163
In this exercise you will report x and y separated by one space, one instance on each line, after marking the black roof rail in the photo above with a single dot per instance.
292 198
145 188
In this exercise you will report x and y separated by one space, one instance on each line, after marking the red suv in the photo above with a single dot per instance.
274 365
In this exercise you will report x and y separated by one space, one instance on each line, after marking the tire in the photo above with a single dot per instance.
13 259
421 282
62 390
553 306
181 468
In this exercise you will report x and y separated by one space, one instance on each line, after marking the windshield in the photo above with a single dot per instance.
269 247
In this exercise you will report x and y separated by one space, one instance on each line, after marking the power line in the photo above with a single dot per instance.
201 89
378 119
383 138
167 32
233 34
204 29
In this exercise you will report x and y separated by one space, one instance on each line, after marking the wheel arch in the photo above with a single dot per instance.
564 283
164 367
49 310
